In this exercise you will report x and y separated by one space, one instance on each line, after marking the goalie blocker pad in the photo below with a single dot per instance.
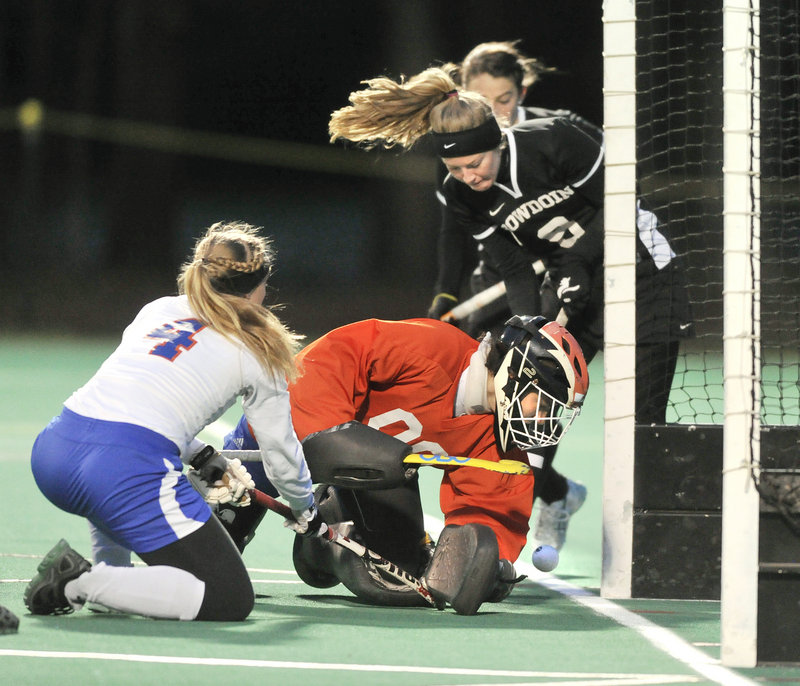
465 565
356 456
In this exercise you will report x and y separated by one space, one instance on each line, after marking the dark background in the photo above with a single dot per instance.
98 213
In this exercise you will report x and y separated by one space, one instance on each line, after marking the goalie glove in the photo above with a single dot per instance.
220 480
307 523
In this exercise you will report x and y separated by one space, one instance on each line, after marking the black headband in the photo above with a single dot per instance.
240 283
485 137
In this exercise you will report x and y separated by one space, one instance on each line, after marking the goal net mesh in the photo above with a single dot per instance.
679 135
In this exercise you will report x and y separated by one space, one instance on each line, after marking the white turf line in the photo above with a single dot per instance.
661 638
593 680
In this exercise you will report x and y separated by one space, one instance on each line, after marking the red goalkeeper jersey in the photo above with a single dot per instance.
401 377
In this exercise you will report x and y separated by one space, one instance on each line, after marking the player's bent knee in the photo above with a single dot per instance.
227 603
210 555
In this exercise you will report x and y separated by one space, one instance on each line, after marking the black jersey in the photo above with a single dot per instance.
548 205
545 204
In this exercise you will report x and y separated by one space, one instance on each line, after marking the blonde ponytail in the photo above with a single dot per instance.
401 112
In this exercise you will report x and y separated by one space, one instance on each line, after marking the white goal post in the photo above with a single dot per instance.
619 114
741 352
741 364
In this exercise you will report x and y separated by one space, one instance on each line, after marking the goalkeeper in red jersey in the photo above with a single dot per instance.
374 391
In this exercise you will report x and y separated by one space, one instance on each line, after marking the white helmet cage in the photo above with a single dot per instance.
530 359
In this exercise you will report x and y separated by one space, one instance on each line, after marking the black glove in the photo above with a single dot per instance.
442 304
210 465
574 290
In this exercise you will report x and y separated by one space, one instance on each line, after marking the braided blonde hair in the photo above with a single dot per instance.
228 249
401 112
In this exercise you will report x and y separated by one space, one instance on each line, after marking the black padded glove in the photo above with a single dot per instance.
574 290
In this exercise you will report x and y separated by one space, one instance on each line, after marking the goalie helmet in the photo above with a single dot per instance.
540 381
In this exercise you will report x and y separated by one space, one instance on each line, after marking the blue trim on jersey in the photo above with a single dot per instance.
126 479
241 438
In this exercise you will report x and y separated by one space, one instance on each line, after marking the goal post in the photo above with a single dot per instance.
702 119
741 317
619 116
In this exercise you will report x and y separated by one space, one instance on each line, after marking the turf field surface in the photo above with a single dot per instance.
553 629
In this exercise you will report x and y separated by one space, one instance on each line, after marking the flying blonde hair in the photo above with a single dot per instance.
401 112
226 252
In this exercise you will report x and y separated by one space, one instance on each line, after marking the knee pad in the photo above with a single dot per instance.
464 567
390 522
356 456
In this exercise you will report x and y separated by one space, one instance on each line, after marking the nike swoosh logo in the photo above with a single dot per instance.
448 145
684 326
496 210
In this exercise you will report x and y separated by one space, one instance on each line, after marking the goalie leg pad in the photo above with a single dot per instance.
464 567
356 456
313 557
366 581
391 523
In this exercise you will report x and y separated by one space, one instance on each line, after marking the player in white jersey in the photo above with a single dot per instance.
116 453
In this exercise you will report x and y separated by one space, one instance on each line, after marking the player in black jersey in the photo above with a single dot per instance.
503 75
530 192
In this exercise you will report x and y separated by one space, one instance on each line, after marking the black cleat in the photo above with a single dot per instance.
9 622
44 594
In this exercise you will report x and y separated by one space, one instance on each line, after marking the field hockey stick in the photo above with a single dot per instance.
501 466
366 554
479 300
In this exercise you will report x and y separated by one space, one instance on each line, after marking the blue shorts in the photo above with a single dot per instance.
127 480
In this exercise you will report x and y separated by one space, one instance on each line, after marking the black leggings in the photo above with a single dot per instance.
211 556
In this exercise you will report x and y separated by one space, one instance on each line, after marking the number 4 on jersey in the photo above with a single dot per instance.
176 337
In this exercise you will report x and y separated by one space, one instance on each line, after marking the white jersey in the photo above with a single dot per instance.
173 375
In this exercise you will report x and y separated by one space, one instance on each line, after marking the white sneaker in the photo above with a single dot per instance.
551 526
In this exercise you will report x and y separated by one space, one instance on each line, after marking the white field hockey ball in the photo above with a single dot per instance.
545 558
